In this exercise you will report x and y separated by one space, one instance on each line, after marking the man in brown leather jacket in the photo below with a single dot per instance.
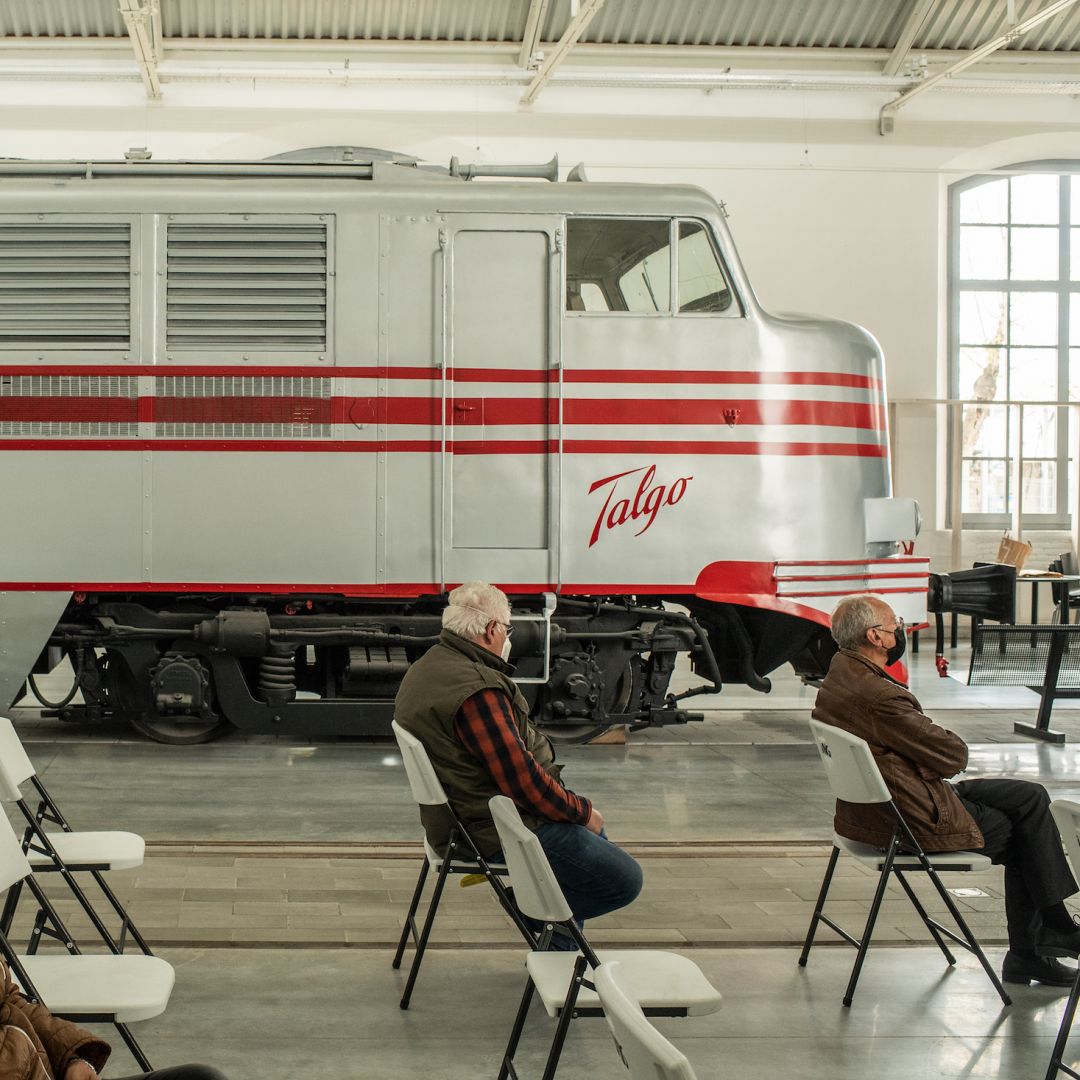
1007 820
35 1045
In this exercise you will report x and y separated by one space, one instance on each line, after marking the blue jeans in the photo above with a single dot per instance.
596 876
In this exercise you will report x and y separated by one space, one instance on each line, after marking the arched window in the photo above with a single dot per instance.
1014 291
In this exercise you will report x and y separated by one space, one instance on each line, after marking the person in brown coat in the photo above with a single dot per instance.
1007 820
35 1045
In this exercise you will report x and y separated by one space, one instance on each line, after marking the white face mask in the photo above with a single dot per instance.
506 650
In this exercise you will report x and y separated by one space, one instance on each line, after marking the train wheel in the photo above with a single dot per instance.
178 731
616 701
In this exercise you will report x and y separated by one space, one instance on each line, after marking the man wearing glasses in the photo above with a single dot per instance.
1007 820
460 701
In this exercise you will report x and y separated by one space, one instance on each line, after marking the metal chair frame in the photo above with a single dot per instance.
906 845
1066 813
462 856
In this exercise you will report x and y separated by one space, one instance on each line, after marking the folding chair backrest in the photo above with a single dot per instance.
850 766
645 1052
536 892
426 789
1066 814
15 767
14 865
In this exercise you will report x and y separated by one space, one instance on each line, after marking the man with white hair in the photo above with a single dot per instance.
460 701
1007 820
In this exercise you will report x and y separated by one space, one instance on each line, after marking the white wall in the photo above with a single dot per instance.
829 216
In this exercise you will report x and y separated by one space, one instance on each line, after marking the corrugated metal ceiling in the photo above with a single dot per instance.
835 24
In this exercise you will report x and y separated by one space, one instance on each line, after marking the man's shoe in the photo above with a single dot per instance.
1052 942
1041 969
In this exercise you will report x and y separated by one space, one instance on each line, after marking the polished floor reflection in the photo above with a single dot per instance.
278 872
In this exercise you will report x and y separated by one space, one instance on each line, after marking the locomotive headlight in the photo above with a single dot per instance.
888 522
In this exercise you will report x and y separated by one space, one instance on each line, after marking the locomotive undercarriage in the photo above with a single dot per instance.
184 670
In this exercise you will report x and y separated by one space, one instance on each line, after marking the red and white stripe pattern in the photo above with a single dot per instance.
397 408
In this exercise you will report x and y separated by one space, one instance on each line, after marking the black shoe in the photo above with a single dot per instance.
1027 969
1052 942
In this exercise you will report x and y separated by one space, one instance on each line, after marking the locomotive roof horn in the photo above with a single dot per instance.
548 171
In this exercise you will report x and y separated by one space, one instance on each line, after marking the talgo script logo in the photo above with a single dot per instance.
646 502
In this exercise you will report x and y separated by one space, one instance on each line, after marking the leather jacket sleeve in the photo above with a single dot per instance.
935 751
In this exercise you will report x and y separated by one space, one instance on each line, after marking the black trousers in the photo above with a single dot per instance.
179 1072
1019 834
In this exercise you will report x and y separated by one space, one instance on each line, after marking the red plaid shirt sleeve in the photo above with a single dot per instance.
485 725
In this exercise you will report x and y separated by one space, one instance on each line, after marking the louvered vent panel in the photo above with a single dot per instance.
257 286
69 406
65 286
242 407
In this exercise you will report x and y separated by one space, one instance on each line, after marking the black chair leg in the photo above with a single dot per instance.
134 1047
421 945
917 904
826 882
126 925
565 1016
1063 1032
410 919
507 1067
871 919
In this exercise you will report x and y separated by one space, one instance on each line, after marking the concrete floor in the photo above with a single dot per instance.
278 871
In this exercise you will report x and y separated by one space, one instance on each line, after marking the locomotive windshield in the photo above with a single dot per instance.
624 265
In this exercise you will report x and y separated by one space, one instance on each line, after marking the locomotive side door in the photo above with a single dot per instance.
501 433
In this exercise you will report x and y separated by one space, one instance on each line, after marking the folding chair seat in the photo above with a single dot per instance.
1067 815
65 852
462 857
854 777
643 1050
664 983
103 988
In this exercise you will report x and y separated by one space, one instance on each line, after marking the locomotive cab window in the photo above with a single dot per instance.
625 265
618 264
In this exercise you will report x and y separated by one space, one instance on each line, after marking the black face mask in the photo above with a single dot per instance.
899 647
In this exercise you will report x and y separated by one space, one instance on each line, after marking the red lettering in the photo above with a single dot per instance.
681 483
647 501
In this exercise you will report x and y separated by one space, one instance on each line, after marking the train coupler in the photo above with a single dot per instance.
664 715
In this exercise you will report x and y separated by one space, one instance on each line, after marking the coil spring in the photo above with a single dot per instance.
277 675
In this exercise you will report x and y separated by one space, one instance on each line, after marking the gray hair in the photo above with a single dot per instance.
473 606
851 618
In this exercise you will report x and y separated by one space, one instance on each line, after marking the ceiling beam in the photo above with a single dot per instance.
534 27
577 26
887 116
139 18
916 17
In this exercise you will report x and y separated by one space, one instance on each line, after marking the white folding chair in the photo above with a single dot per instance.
854 777
106 988
643 1050
65 852
462 857
1067 816
664 983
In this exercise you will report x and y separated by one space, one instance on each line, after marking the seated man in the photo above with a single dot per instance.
35 1045
1007 820
459 700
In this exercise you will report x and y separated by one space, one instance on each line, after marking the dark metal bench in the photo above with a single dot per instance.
1044 658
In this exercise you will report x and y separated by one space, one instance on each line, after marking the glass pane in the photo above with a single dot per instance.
984 487
986 203
1074 200
1074 319
1040 432
1033 318
1033 374
1034 254
1074 251
626 259
1074 374
592 297
985 431
982 318
1034 199
701 281
982 253
1040 487
982 374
